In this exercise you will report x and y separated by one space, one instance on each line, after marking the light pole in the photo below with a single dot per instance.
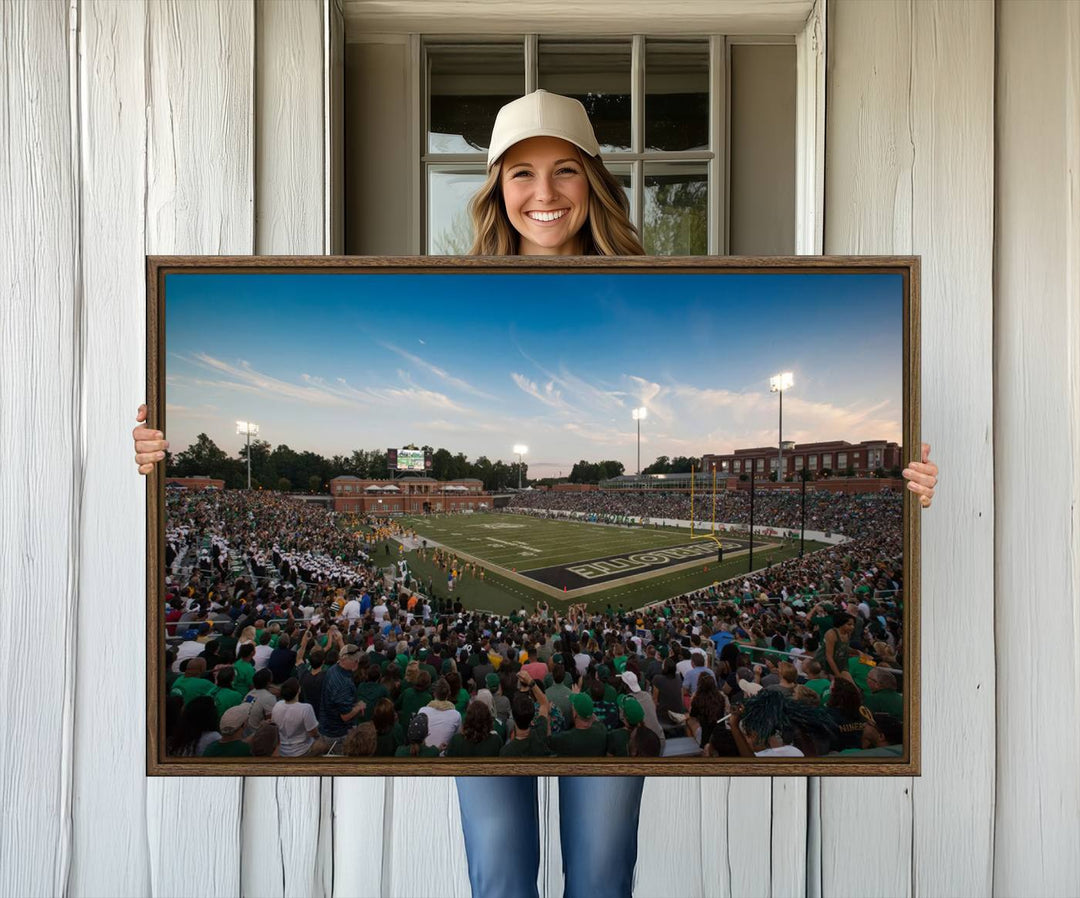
520 449
777 384
249 430
640 414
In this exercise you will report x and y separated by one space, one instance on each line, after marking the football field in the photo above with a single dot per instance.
526 559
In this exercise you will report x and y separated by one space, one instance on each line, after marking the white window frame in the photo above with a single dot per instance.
810 124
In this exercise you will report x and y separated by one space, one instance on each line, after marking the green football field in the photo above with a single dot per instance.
528 559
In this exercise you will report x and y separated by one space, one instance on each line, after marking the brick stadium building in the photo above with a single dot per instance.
199 482
836 456
407 495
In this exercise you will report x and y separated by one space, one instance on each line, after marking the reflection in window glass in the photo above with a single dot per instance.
467 84
676 95
676 209
597 74
450 231
623 176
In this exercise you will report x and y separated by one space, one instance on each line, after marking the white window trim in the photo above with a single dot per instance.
809 127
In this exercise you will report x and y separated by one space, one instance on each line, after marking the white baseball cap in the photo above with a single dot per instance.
541 114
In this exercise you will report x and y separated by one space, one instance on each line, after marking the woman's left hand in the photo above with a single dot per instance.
922 477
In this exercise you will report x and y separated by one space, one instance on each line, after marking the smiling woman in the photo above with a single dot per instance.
546 196
547 191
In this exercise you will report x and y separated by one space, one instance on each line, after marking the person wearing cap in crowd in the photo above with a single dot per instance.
646 702
493 682
416 741
339 705
632 716
232 743
587 736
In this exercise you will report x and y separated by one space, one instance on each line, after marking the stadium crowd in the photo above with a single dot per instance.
288 635
853 515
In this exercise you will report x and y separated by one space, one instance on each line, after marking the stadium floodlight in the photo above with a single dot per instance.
777 384
640 414
520 449
249 430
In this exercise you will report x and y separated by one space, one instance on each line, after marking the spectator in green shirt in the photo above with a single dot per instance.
816 678
529 703
416 696
587 738
225 696
370 691
193 683
477 737
883 696
232 743
245 668
558 692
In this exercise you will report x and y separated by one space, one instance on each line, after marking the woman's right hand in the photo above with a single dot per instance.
150 445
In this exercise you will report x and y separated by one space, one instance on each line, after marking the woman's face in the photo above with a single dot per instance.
546 195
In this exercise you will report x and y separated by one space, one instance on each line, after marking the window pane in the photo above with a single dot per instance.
676 209
449 191
676 95
597 74
467 84
624 176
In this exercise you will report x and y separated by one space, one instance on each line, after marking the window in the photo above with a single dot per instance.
772 465
813 462
761 466
841 459
656 104
798 462
826 460
738 465
348 489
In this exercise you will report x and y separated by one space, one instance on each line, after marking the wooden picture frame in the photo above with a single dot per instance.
906 337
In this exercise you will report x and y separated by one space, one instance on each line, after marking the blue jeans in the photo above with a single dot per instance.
598 822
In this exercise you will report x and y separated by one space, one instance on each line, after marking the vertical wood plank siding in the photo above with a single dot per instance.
110 854
281 824
199 191
909 153
41 461
1037 444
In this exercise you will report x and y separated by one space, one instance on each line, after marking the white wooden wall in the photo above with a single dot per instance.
189 126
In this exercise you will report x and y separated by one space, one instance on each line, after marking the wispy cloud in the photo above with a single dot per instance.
547 394
455 382
242 376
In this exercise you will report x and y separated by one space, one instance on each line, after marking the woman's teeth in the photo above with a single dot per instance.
546 216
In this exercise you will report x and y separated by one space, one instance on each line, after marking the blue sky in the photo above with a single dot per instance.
478 362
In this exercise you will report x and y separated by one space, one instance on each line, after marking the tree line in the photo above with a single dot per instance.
284 469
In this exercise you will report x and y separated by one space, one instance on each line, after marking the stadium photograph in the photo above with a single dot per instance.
417 518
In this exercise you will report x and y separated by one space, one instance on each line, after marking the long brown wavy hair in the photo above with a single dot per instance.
477 725
607 231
